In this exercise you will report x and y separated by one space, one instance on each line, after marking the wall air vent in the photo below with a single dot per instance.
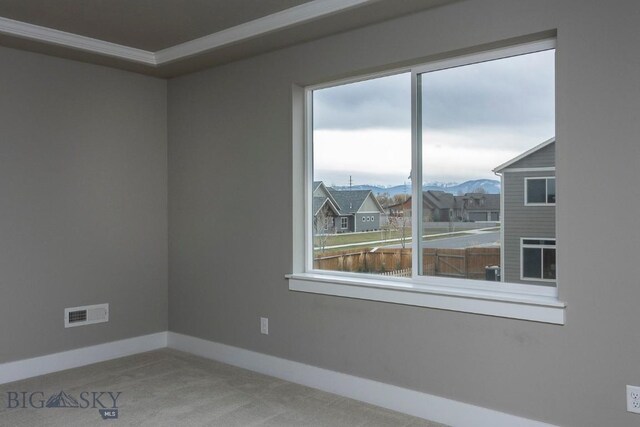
87 315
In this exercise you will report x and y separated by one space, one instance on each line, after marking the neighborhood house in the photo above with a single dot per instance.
528 225
440 206
341 211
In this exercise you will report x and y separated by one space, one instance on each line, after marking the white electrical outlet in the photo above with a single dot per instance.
633 399
264 325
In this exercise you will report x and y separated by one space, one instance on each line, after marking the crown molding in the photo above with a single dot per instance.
75 41
267 24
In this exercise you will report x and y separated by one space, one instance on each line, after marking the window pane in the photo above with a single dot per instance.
474 120
536 189
531 262
361 167
551 190
532 242
549 264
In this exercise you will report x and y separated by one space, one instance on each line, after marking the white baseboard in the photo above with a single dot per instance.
399 399
27 368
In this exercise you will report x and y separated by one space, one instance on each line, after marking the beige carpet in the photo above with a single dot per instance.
171 388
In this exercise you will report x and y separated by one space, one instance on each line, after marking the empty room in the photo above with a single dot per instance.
320 213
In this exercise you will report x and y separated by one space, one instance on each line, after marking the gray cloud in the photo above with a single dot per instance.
516 93
474 118
372 104
512 95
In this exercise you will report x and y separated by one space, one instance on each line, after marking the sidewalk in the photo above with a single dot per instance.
408 239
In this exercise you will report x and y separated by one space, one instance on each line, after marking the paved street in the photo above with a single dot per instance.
480 239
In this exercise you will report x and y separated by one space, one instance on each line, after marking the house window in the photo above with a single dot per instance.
432 136
344 222
540 191
538 259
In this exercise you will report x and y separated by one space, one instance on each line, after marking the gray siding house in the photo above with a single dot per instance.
437 205
325 210
440 206
528 226
346 210
477 207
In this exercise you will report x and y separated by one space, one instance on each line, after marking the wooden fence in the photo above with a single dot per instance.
467 263
464 263
364 260
405 272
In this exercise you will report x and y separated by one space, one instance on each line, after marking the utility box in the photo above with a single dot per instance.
492 273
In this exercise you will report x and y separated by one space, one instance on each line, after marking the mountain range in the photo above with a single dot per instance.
490 186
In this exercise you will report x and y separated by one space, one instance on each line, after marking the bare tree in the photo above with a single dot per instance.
384 199
451 226
400 222
399 198
386 228
323 227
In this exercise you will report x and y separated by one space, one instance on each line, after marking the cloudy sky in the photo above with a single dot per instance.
474 118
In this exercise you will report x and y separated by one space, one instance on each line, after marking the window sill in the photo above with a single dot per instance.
492 303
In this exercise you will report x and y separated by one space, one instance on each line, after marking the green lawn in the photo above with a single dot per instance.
367 244
345 239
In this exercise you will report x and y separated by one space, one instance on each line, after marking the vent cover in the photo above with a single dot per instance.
87 315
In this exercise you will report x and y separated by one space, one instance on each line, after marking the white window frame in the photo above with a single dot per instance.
541 247
511 300
344 223
546 190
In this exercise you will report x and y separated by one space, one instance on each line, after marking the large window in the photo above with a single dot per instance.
431 164
539 259
540 191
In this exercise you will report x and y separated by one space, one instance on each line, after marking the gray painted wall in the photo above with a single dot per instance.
233 125
83 201
523 221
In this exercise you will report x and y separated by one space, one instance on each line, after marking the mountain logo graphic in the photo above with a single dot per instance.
62 400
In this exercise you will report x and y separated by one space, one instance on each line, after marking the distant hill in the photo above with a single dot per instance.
491 186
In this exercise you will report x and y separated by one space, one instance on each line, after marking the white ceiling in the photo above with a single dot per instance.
169 37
